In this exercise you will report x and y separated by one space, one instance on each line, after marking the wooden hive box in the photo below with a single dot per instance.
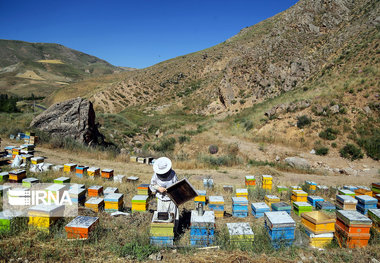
81 227
259 208
56 190
9 220
69 167
161 228
345 202
132 179
250 181
312 199
4 176
301 207
181 192
270 199
28 182
119 178
346 192
111 190
318 222
242 192
77 195
16 176
96 204
113 202
81 171
320 240
58 168
228 188
143 189
43 216
133 159
374 215
95 191
93 171
216 204
240 232
26 157
375 188
139 203
362 190
62 180
281 206
107 173
37 160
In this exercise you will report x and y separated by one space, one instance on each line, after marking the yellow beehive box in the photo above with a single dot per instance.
200 198
69 167
267 179
242 192
271 199
321 240
318 222
93 171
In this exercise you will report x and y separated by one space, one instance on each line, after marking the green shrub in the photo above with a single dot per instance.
371 145
224 160
328 134
303 121
138 251
183 138
322 151
165 145
350 151
334 145
248 124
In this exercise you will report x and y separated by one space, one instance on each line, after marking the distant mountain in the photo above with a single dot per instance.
41 68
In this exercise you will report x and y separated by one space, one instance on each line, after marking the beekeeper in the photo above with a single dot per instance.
163 177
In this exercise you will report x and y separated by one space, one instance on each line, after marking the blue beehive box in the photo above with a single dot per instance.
202 228
282 206
350 187
365 202
239 207
258 209
280 227
312 199
325 205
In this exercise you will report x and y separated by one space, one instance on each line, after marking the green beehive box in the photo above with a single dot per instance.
281 188
9 219
4 177
62 180
28 182
161 228
301 207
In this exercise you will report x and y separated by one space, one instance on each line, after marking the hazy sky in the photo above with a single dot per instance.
133 33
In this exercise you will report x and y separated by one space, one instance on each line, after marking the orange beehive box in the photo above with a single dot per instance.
107 173
353 229
95 191
81 227
363 191
350 240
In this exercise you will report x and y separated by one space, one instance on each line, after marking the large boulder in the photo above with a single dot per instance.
73 118
297 162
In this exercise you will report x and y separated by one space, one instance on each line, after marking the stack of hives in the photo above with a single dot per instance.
271 199
216 204
11 220
311 186
93 172
325 205
208 183
374 215
81 171
43 217
95 191
202 228
96 204
301 207
299 196
240 234
30 138
69 167
319 227
280 227
28 182
346 192
267 181
352 229
139 203
77 195
62 180
242 192
143 189
27 149
107 174
239 207
282 206
161 229
250 181
16 151
346 202
365 202
16 176
363 190
375 188
201 198
81 227
258 209
378 200
113 202
313 199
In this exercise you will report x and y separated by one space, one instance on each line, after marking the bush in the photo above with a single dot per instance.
224 160
350 151
165 145
248 124
328 134
303 121
371 145
183 138
322 151
213 149
138 251
334 145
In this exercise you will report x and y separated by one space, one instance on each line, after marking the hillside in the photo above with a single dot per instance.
41 68
260 62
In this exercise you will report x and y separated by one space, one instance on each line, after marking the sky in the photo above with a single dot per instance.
136 33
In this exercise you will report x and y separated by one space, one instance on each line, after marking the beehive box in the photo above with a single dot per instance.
240 233
270 199
282 206
81 171
93 172
267 179
4 176
365 202
346 192
280 228
28 182
325 205
318 222
133 159
4 189
299 196
320 240
239 207
111 190
202 228
201 198
346 202
77 195
26 157
352 188
242 192
69 167
281 188
43 217
312 199
96 204
113 202
56 190
302 207
228 188
10 220
16 176
140 203
143 189
258 209
77 186
58 168
62 180
107 173
95 191
250 181
375 188
140 160
216 204
119 178
363 190
161 231
81 227
132 179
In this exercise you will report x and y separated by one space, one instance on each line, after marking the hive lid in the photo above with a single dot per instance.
260 205
366 199
374 214
250 177
242 191
76 191
18 171
95 200
346 192
95 187
107 170
301 204
62 179
4 173
201 192
56 187
70 164
83 221
216 199
93 169
9 214
50 209
239 229
317 217
110 190
181 192
239 200
77 186
281 206
353 217
133 178
266 176
347 199
30 180
279 219
315 197
208 217
140 198
271 197
114 197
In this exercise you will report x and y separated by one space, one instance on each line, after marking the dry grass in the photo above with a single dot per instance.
51 61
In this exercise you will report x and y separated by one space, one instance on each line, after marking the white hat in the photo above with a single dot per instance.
162 165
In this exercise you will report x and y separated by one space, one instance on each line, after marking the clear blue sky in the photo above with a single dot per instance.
136 33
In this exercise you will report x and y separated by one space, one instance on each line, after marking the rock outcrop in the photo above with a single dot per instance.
297 162
73 118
